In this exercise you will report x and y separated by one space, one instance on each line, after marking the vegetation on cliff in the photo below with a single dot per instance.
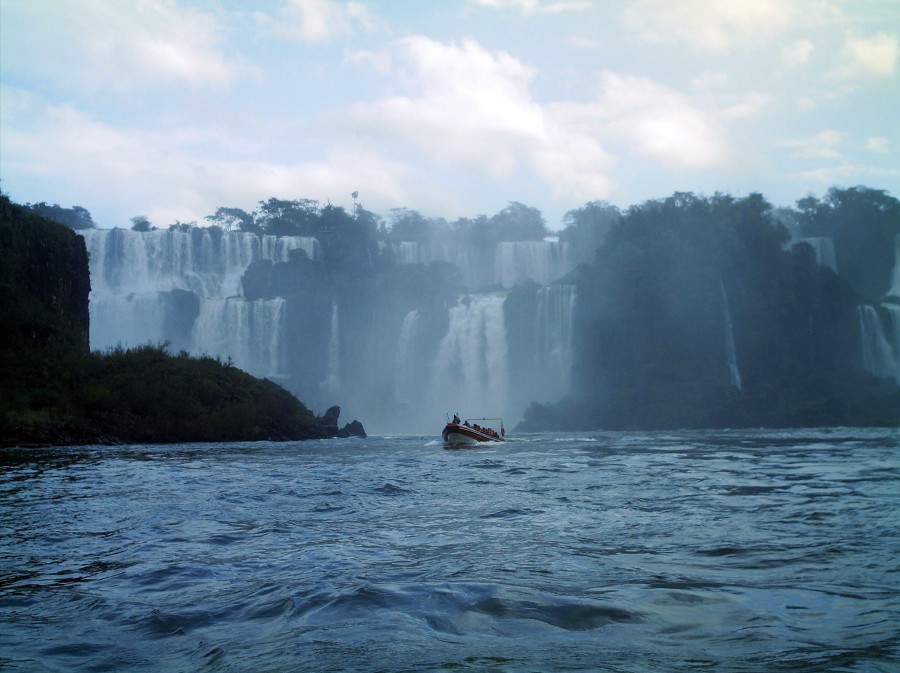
53 390
677 278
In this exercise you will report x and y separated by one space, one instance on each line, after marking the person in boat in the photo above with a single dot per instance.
456 419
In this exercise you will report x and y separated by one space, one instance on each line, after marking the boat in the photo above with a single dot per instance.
471 432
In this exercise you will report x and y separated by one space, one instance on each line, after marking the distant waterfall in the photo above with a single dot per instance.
470 374
730 353
553 330
332 383
131 270
895 281
880 357
251 333
540 261
823 246
406 379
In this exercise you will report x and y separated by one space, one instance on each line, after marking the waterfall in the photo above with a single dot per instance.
823 246
251 333
540 261
553 330
879 356
332 383
406 382
131 271
470 373
730 353
895 281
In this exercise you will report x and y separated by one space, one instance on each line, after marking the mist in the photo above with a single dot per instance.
662 314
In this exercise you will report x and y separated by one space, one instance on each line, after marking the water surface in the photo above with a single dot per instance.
686 551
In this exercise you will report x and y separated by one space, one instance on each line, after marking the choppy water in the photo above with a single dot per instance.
694 551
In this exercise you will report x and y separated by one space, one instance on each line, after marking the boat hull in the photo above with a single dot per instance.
457 433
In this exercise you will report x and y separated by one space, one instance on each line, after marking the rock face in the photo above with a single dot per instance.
54 390
44 279
328 425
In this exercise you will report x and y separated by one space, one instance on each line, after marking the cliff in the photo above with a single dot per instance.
53 390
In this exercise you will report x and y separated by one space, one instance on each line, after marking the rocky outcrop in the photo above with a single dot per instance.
328 425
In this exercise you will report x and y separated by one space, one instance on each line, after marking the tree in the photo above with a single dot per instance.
586 227
76 217
233 219
281 217
140 223
518 222
408 225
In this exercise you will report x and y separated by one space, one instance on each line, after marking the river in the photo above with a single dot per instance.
681 551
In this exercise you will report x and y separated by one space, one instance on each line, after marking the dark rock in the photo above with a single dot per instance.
353 429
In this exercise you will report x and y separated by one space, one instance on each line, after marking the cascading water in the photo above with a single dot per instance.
406 380
332 383
895 280
251 333
823 246
540 261
879 357
553 331
184 286
131 272
470 374
734 373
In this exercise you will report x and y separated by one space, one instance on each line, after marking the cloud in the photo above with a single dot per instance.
878 145
463 107
651 119
822 145
317 20
874 56
116 46
833 175
528 7
707 25
798 53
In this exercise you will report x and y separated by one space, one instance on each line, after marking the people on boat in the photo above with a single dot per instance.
456 418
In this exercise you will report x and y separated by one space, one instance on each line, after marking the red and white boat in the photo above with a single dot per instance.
471 432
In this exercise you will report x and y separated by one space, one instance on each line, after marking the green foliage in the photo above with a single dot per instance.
140 223
233 219
650 328
53 390
281 217
76 217
863 223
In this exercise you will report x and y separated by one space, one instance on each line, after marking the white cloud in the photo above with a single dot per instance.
117 46
833 175
470 109
878 145
707 25
798 53
822 145
317 20
873 56
654 120
528 7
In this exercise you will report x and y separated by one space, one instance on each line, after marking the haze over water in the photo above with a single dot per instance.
683 551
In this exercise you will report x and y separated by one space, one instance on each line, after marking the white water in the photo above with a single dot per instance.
734 372
895 282
251 333
824 249
332 384
470 375
879 356
540 261
553 327
129 269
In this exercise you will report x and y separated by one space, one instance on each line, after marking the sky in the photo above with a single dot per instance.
172 108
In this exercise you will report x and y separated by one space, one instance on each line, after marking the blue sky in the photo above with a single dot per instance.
170 109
